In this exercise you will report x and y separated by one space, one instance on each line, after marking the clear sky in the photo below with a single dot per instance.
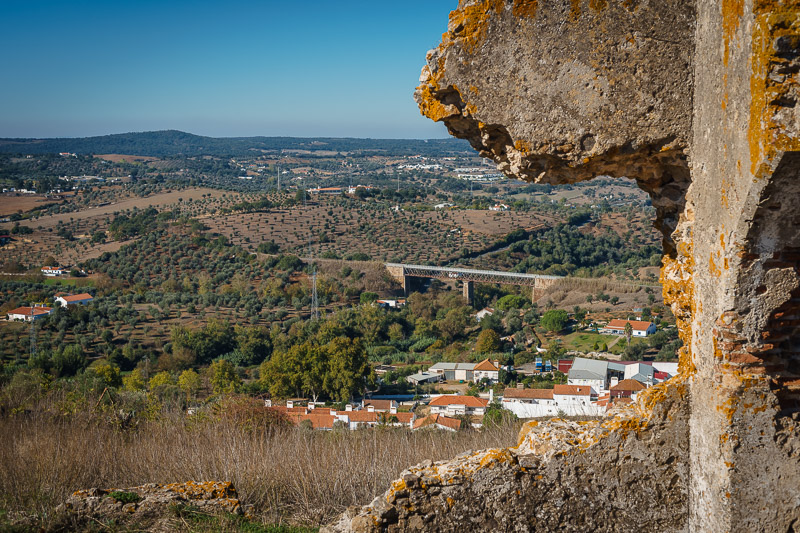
338 68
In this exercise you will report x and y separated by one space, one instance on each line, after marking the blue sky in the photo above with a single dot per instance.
340 68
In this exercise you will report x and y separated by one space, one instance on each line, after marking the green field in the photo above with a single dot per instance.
583 341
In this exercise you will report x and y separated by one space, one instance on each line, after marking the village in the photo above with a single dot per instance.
592 387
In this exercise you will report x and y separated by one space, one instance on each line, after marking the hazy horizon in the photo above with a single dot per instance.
303 69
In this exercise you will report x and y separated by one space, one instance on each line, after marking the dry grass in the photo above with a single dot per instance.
291 475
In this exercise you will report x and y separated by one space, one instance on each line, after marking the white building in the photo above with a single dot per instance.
589 372
639 328
486 369
74 299
29 314
458 405
50 271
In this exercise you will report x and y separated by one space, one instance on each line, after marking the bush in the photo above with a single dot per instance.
488 341
125 497
554 320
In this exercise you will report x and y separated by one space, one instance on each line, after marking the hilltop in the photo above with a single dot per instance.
177 143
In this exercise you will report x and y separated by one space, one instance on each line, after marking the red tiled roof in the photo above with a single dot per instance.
362 416
432 420
78 297
628 385
572 390
637 325
486 365
380 404
529 394
404 418
468 401
35 311
317 421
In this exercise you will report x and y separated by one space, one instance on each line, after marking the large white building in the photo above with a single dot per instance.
639 328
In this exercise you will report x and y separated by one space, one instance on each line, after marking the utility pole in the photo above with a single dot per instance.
33 335
314 299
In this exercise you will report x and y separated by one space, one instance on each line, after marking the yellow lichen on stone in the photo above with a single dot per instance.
766 135
469 23
524 8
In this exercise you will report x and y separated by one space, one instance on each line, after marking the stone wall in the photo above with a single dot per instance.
696 101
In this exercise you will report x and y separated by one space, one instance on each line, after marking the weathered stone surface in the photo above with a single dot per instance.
155 499
564 476
696 101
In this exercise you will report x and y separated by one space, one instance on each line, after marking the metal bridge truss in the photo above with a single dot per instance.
480 276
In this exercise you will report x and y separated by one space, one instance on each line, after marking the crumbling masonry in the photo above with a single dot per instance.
698 103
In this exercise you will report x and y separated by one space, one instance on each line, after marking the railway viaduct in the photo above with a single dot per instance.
406 274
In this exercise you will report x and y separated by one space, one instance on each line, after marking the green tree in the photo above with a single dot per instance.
108 373
133 381
512 301
488 341
69 361
554 320
367 297
189 382
223 377
162 378
349 371
628 332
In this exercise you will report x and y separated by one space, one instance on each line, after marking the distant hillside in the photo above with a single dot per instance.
178 143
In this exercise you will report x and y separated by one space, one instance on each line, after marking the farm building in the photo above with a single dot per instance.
29 314
640 328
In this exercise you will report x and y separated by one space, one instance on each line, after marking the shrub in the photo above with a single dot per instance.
125 497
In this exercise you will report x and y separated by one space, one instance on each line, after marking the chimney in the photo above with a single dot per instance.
370 408
348 407
312 405
289 404
267 403
520 385
393 410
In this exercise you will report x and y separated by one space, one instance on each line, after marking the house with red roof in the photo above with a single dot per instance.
530 396
29 314
74 299
454 405
640 328
486 369
627 388
572 395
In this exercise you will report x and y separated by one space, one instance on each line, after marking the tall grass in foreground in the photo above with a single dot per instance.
291 475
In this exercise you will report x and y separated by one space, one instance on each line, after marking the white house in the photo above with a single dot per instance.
74 299
572 395
486 311
486 369
454 371
458 405
52 272
639 328
499 207
589 372
29 314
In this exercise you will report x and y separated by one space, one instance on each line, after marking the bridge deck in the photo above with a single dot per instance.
467 274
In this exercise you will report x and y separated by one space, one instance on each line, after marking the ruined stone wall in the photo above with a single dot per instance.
696 101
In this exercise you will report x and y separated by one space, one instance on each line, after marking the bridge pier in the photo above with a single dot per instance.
469 291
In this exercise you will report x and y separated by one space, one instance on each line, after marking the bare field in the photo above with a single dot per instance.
33 248
122 158
156 200
11 203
